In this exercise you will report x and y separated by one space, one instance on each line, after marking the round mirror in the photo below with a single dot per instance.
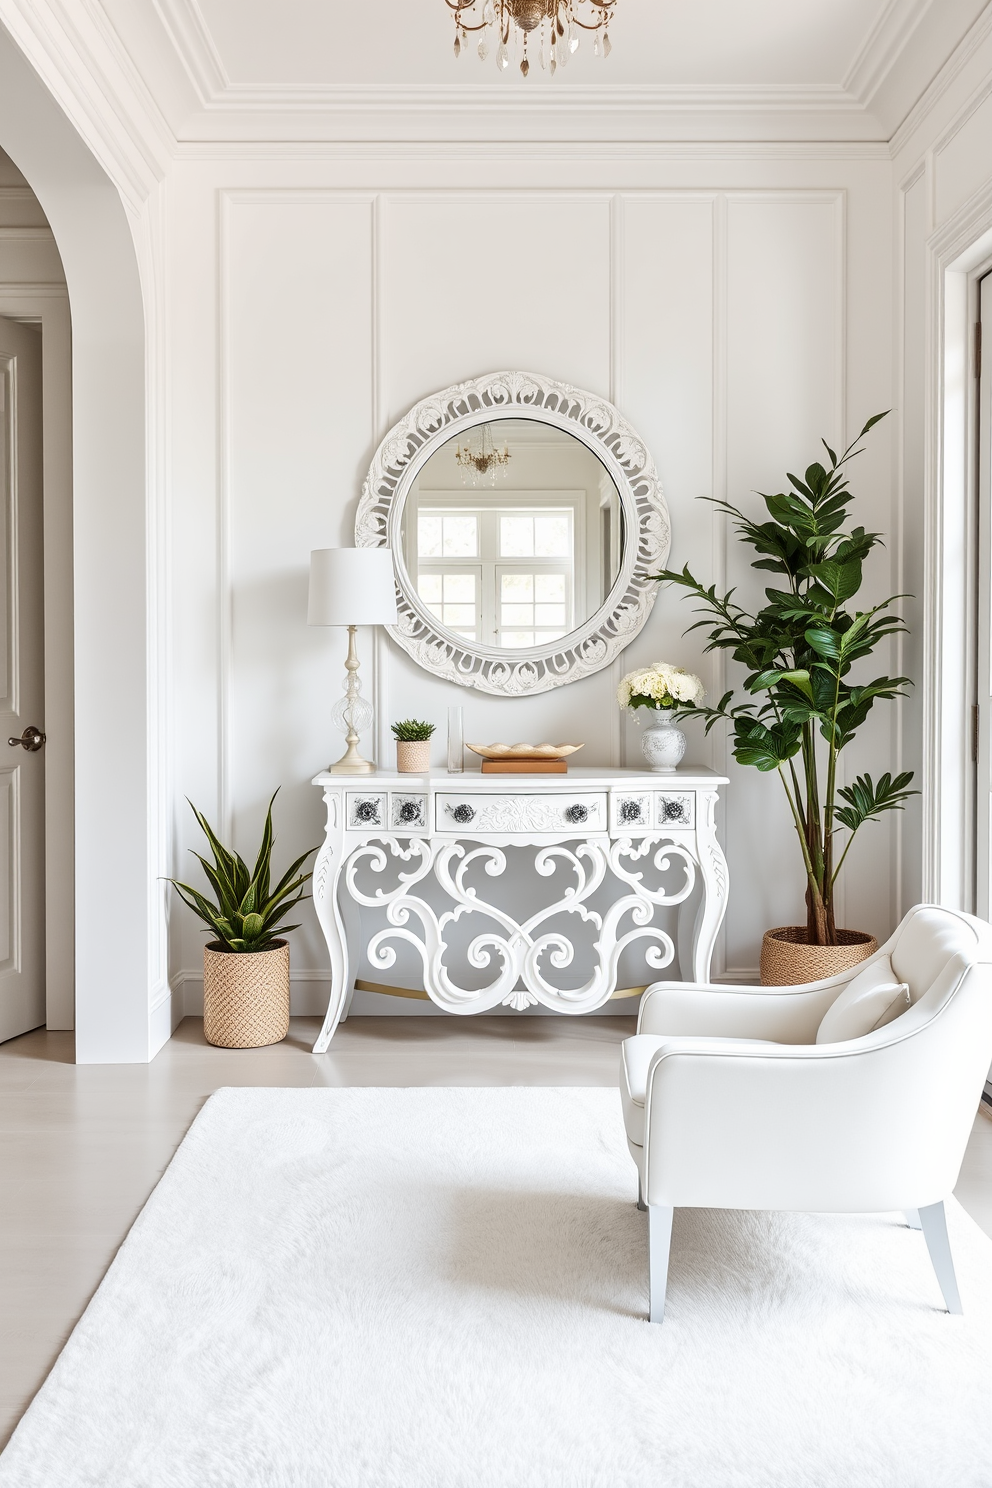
526 520
512 534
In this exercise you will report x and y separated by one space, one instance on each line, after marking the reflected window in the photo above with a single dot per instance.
521 564
449 535
500 575
452 598
533 607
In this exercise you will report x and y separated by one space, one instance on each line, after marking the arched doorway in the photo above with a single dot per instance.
119 965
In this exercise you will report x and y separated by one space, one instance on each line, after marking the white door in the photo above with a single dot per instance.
22 690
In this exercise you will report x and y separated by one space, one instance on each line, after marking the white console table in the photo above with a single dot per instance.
581 826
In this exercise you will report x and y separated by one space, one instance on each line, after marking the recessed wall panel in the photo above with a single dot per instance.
297 391
476 282
666 388
784 359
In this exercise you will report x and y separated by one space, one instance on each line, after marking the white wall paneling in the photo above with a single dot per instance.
297 369
715 313
255 298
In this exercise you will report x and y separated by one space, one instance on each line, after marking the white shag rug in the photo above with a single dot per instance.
446 1288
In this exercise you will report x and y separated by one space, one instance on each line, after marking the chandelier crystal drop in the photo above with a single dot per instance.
558 24
484 460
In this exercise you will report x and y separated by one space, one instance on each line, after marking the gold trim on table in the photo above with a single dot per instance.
421 996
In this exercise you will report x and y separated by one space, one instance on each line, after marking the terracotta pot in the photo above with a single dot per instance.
413 756
787 958
245 997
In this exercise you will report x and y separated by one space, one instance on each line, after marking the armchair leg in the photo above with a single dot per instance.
640 1194
913 1219
934 1226
659 1246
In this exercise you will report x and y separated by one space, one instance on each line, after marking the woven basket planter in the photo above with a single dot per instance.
245 997
787 958
413 756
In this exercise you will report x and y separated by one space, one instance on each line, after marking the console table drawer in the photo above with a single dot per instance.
468 813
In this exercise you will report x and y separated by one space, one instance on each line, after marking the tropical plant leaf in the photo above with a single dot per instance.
799 652
866 800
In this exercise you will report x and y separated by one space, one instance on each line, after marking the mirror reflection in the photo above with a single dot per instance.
513 533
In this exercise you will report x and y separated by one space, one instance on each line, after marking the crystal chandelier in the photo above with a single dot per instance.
557 22
485 460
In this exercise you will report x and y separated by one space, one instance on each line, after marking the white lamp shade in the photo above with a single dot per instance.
352 586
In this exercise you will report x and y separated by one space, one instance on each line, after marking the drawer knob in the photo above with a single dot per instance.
577 813
464 813
367 812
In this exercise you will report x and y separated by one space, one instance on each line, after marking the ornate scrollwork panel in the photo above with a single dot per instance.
517 949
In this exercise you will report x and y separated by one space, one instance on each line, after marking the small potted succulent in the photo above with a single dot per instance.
413 746
663 689
246 965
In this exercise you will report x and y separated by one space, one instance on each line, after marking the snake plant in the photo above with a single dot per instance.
248 912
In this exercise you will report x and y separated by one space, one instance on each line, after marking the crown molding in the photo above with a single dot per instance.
945 79
508 110
517 113
547 150
882 48
194 45
82 62
75 48
524 98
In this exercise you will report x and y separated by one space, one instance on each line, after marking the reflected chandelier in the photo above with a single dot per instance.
486 460
558 23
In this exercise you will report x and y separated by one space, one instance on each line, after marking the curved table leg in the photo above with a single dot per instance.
326 876
351 917
716 885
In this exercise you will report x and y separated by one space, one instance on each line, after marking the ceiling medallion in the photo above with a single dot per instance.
558 23
486 460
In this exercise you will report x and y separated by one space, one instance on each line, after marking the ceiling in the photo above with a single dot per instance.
654 41
850 68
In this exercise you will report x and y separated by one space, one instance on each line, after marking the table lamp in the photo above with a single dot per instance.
352 587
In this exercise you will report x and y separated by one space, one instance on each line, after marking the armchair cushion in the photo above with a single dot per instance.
870 1000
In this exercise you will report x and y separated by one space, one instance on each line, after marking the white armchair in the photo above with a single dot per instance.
730 1103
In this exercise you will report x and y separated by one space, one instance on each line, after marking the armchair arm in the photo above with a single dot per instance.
787 1015
880 1122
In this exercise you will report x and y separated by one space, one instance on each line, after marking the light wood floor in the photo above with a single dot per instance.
81 1147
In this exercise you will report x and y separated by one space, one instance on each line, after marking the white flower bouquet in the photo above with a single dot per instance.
660 686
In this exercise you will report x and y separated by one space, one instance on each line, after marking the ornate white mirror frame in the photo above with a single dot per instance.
593 644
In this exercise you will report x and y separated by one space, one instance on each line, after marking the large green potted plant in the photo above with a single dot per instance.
802 705
246 964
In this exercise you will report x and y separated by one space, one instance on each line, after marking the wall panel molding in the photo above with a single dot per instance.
461 312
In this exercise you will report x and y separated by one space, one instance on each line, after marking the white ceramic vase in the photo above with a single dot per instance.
662 743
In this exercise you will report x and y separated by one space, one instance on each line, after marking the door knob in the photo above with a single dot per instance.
31 739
